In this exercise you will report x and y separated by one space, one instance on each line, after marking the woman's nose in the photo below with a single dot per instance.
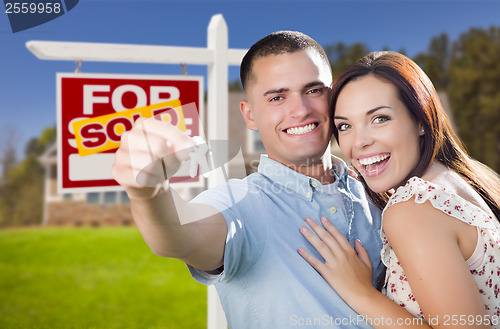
363 138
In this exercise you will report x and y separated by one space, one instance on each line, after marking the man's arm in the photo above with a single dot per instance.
193 233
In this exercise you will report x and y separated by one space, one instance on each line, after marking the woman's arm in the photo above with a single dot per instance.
426 245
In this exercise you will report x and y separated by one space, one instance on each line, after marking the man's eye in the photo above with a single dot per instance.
276 98
315 91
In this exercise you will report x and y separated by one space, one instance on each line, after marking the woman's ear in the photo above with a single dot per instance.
421 130
246 111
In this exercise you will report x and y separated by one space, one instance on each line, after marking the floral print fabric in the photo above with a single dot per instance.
486 275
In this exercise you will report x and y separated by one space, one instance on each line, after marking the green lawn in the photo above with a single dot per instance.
93 278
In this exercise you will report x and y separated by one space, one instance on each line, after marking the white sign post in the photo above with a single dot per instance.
216 56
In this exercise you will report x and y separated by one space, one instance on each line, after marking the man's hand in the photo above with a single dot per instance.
149 154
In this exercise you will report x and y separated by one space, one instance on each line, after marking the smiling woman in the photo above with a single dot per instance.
440 227
376 132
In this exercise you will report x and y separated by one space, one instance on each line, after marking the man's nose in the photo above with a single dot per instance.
299 106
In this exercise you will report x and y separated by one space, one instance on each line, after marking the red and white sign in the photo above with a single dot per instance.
82 96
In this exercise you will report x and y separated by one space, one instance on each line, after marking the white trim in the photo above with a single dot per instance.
131 76
125 53
250 145
59 143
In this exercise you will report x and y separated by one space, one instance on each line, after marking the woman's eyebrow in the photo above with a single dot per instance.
367 113
376 109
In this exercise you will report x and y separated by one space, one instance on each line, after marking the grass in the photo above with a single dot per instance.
93 278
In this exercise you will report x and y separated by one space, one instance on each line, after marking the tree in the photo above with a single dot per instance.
8 158
474 92
22 185
436 61
341 55
235 86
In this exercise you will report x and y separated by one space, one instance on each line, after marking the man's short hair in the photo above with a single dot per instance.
280 42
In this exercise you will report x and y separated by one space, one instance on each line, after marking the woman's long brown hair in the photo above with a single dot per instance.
439 142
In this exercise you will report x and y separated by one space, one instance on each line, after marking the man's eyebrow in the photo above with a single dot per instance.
275 91
367 113
282 90
314 84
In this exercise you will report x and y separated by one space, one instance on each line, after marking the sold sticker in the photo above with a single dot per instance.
103 133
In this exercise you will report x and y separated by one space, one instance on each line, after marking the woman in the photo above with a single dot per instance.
440 226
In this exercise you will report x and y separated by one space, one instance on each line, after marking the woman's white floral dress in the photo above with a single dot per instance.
486 272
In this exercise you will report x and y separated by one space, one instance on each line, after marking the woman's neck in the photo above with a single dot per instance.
434 170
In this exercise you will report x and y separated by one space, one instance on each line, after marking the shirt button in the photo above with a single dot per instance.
308 194
314 184
333 210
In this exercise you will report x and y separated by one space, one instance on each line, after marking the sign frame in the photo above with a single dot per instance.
61 189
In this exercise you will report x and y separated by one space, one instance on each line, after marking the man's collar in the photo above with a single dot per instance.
295 181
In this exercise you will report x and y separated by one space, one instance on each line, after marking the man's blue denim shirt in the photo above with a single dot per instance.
265 282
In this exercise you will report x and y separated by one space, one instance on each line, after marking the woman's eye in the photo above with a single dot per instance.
343 126
381 119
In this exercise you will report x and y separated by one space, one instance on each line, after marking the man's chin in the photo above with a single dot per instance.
308 159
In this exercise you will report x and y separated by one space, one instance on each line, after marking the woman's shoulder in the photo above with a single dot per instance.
411 199
415 188
447 196
454 184
407 212
422 220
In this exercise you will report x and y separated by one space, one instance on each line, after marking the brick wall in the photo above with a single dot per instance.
80 213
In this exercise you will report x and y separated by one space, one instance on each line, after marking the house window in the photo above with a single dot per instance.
68 196
110 197
124 197
93 198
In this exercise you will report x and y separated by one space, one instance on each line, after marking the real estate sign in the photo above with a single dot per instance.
103 106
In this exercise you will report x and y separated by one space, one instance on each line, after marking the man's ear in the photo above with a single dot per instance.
247 114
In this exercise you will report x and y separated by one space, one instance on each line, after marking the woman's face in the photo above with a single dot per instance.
376 132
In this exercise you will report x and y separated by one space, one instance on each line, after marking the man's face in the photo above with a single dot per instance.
288 104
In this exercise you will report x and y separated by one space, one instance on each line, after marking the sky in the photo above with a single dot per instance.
28 84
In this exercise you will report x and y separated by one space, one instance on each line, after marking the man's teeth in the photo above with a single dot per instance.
301 130
372 160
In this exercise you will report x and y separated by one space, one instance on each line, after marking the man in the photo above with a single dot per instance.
243 236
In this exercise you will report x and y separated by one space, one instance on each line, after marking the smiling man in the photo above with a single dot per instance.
288 104
244 235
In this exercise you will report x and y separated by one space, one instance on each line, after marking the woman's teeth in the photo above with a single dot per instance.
372 160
